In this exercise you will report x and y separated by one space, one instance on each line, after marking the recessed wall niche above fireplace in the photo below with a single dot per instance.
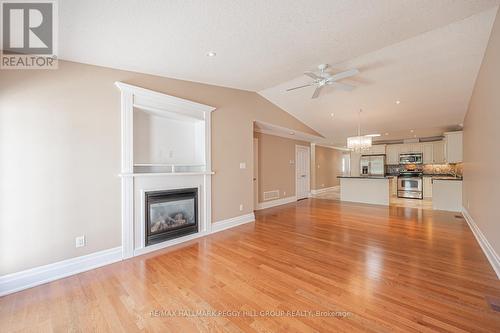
170 214
166 170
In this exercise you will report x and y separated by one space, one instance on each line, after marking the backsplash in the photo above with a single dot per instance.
430 169
441 169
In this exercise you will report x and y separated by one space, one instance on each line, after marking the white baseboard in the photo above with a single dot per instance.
39 275
232 222
323 190
277 202
32 277
488 250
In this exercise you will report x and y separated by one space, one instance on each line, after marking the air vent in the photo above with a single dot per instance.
271 195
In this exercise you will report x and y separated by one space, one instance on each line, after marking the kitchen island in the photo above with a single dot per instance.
370 189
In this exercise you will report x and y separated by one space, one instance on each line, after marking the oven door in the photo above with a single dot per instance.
410 184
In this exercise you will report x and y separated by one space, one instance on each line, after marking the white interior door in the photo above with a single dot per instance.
255 173
302 171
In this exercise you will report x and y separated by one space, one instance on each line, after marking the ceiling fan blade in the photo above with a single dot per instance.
341 86
312 75
306 85
343 75
317 91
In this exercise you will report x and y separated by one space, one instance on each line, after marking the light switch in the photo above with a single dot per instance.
243 165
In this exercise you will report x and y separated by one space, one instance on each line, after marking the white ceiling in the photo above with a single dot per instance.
262 44
432 75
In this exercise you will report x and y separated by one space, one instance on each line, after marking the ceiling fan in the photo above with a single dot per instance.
324 78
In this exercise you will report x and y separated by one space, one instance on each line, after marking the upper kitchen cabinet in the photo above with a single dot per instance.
427 153
375 150
392 154
438 152
453 147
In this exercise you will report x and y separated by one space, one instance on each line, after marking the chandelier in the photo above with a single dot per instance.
359 143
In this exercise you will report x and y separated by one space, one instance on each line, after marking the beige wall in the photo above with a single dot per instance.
275 170
60 157
327 167
481 192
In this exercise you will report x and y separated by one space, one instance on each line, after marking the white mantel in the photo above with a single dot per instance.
155 176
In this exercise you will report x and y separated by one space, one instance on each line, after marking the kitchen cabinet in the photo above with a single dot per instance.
453 146
375 150
427 153
427 187
405 148
438 152
415 148
392 154
393 185
447 195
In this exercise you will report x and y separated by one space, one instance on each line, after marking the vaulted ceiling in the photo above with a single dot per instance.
425 53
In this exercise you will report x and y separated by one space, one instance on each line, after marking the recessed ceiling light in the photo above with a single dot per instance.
411 131
414 136
211 54
331 114
372 135
398 102
292 133
386 133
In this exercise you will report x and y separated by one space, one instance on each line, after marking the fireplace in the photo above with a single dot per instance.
170 214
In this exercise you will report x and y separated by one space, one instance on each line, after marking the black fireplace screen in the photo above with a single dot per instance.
171 214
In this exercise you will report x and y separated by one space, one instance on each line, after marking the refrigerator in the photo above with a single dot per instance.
372 165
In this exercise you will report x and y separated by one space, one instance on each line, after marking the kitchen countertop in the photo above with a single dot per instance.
434 176
367 177
447 178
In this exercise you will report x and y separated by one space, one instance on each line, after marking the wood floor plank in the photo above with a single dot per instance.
296 269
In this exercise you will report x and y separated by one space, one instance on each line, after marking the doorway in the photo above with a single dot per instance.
302 171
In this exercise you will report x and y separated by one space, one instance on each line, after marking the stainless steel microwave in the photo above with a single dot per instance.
410 158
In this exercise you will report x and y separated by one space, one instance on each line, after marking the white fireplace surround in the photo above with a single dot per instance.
139 177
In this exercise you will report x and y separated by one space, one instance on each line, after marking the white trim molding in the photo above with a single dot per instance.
277 202
323 190
169 107
232 222
18 281
488 250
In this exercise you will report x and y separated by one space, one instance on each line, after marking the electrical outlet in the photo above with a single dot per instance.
80 241
241 207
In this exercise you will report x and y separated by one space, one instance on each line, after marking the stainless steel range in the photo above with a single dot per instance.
410 185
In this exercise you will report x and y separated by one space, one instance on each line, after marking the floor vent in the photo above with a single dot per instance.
494 303
271 195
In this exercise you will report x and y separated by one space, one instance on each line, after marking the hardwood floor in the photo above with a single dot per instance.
383 269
